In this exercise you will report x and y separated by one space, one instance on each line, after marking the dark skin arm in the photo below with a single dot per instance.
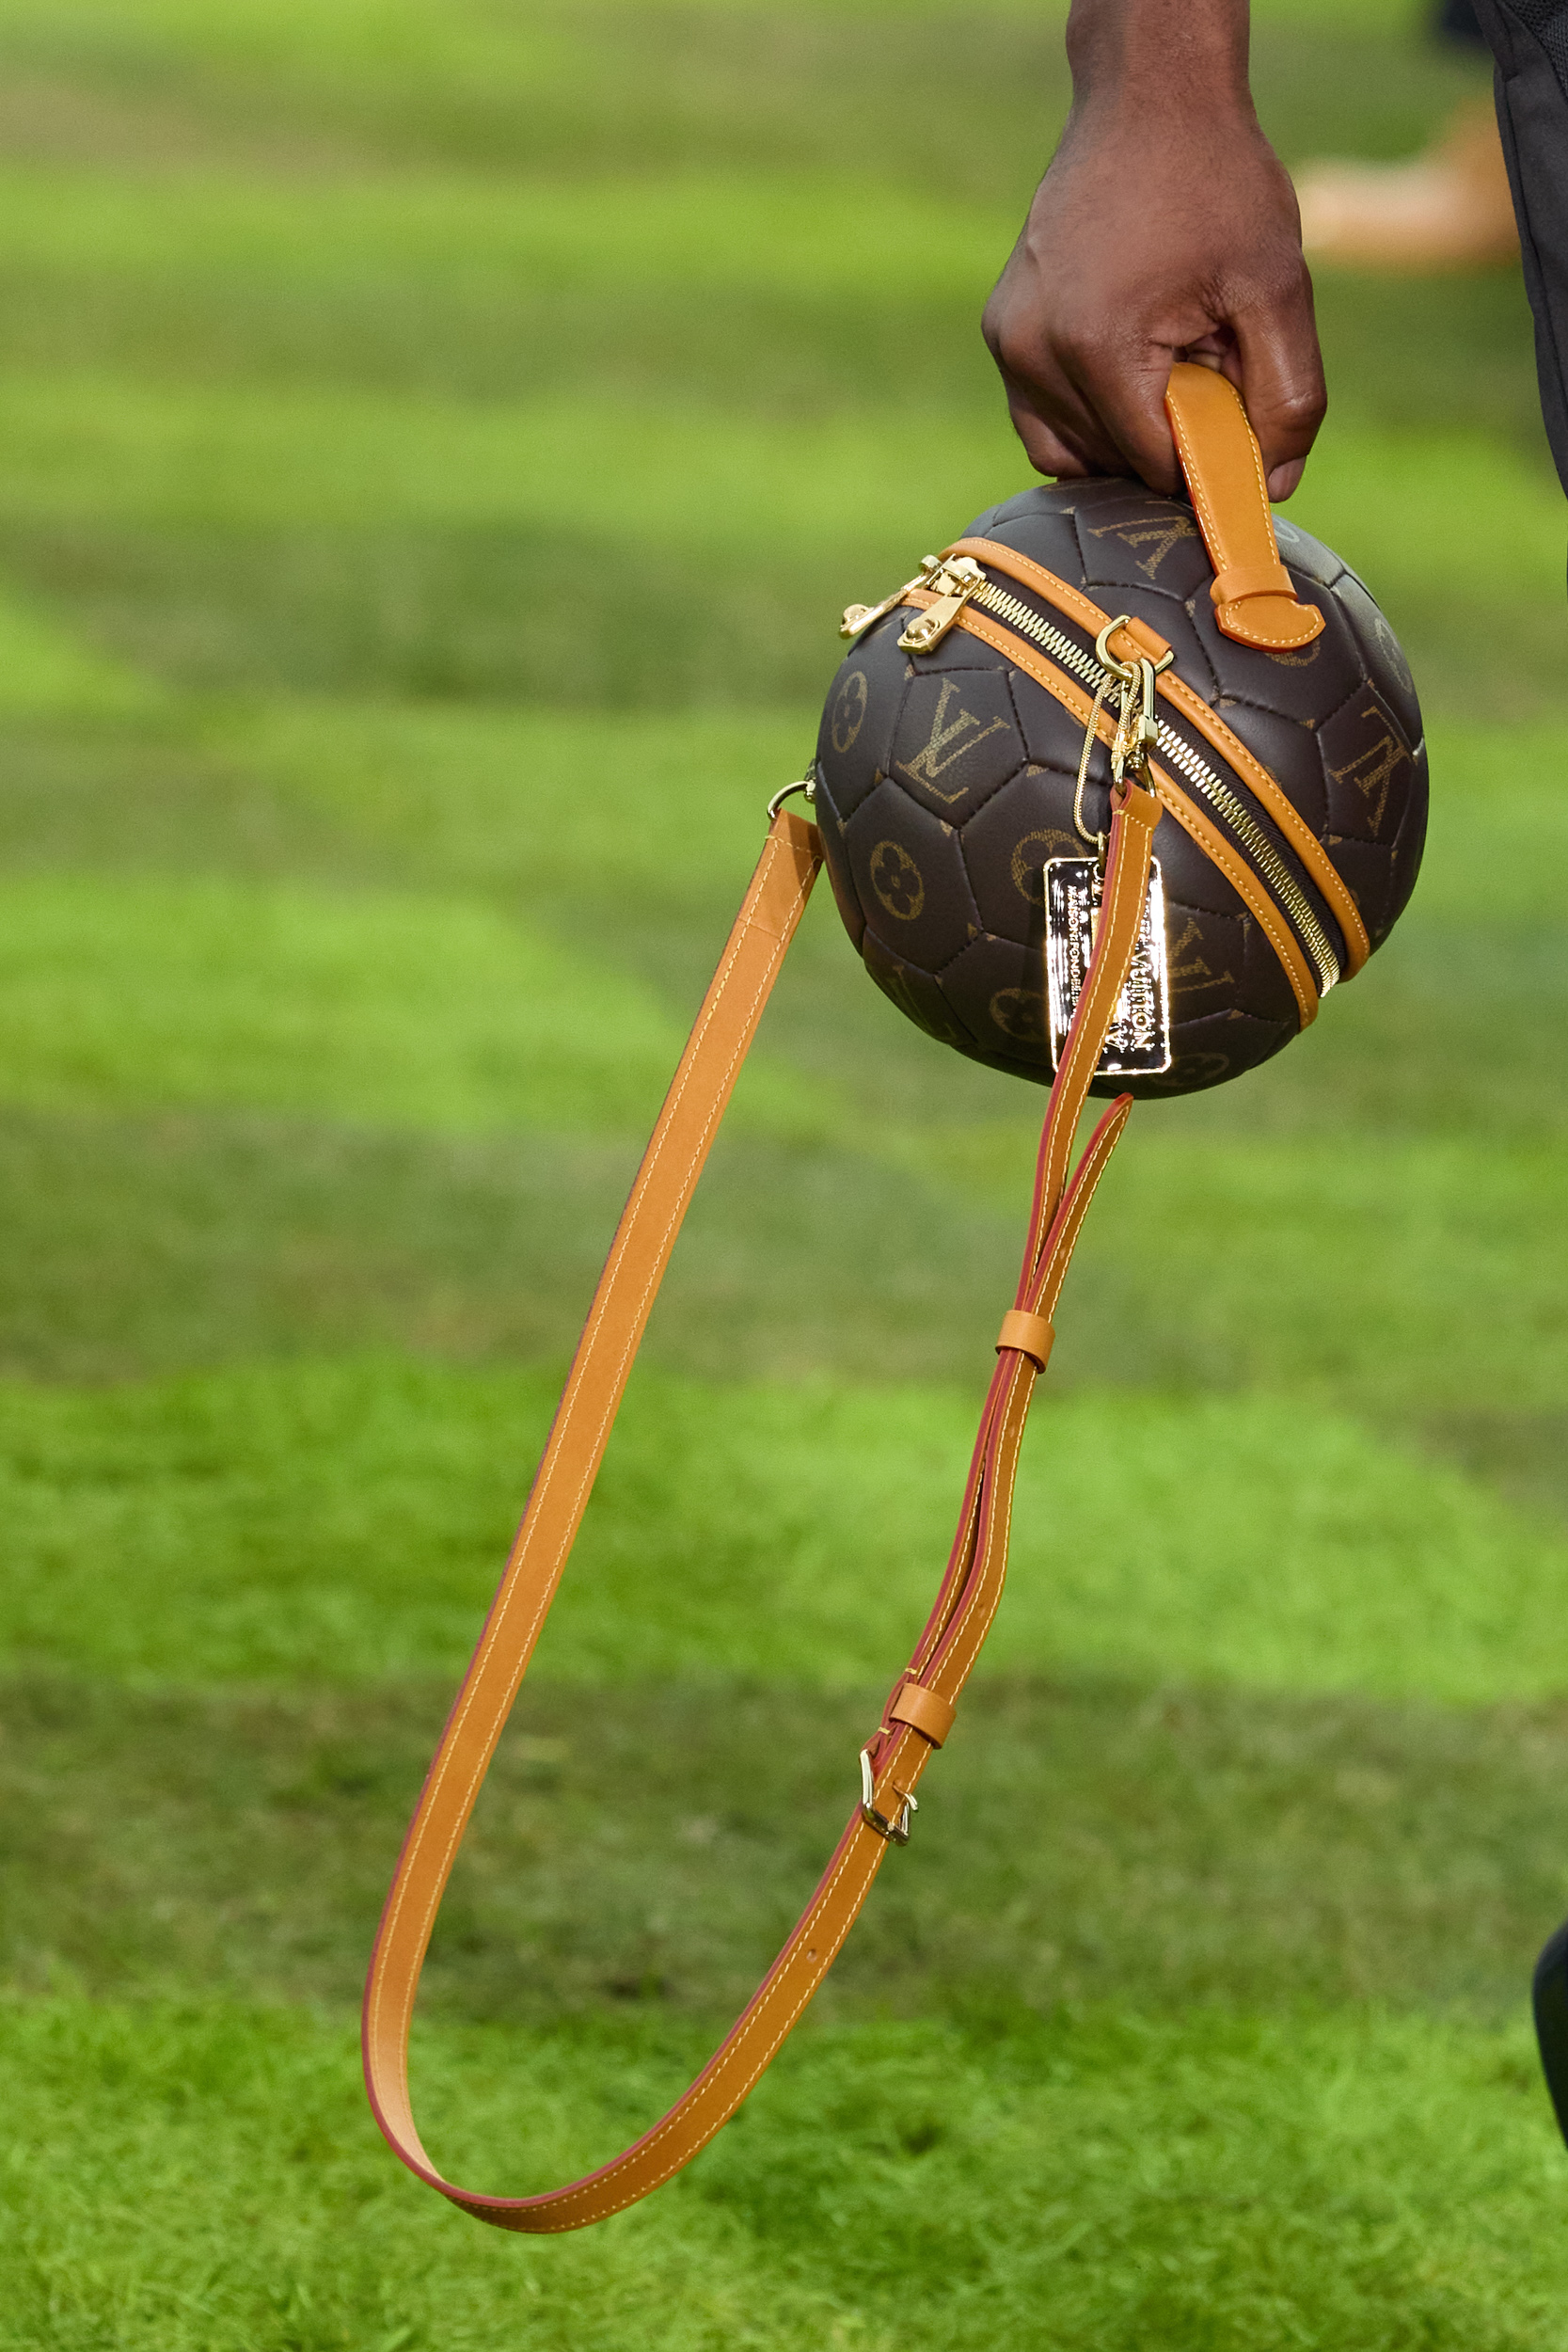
1165 228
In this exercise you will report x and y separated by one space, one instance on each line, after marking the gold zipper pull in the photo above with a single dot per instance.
858 617
954 582
1149 726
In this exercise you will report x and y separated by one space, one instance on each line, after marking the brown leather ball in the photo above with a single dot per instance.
944 783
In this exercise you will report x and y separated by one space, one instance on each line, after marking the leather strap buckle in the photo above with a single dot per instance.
895 1832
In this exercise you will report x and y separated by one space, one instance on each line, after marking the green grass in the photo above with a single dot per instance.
343 1522
436 444
905 2184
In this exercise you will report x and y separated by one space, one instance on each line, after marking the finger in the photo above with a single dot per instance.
1068 445
1286 480
1127 393
1283 481
1281 380
1047 452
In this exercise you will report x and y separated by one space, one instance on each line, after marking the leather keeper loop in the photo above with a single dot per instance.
1243 580
1138 639
1030 1334
925 1711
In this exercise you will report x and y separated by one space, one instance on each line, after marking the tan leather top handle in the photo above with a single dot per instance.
923 1704
1255 601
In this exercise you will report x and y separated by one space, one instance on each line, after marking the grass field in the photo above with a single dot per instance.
437 439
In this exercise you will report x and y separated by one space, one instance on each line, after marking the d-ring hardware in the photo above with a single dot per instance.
1106 659
896 1833
802 784
1125 671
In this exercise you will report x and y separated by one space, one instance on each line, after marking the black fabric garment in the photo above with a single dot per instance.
1529 40
1456 20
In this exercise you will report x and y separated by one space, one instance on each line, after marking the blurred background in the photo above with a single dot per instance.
436 441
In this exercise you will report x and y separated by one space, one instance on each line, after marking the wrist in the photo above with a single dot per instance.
1160 62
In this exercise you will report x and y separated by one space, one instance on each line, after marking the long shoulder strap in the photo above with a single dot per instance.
921 1710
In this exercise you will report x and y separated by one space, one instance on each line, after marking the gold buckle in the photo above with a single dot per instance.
896 1833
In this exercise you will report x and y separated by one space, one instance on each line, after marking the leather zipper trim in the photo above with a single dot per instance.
1215 844
1321 869
1237 818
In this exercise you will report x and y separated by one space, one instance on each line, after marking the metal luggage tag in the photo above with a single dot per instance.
1138 1042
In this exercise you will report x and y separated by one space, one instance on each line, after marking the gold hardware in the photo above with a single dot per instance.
858 617
1195 770
895 1832
1137 728
953 583
1095 840
1102 654
806 784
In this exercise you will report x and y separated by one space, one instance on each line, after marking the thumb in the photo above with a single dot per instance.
1277 368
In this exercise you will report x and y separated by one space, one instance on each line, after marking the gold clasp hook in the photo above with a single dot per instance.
1137 728
806 784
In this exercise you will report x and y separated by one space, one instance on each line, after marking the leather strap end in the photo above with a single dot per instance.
1254 599
925 1711
1138 804
1243 580
1271 623
1137 639
1031 1335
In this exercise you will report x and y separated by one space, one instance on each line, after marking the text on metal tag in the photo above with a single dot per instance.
1138 1042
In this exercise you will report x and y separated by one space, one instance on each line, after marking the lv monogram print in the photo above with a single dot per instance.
1019 1014
1190 979
1029 855
898 881
1159 537
848 711
1372 773
950 741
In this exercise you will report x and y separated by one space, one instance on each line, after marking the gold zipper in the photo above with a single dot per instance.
1197 772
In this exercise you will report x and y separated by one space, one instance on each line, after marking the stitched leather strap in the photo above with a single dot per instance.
925 1697
1254 599
926 1711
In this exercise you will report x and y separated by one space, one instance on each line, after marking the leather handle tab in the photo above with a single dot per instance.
1255 599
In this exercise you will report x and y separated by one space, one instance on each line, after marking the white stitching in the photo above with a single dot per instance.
512 1577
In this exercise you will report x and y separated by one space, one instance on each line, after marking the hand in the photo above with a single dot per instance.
1165 229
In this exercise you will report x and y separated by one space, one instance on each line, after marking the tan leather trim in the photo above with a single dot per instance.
1138 637
639 1254
1321 870
1253 893
1264 913
1243 581
1060 593
926 1711
1224 467
1030 1334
